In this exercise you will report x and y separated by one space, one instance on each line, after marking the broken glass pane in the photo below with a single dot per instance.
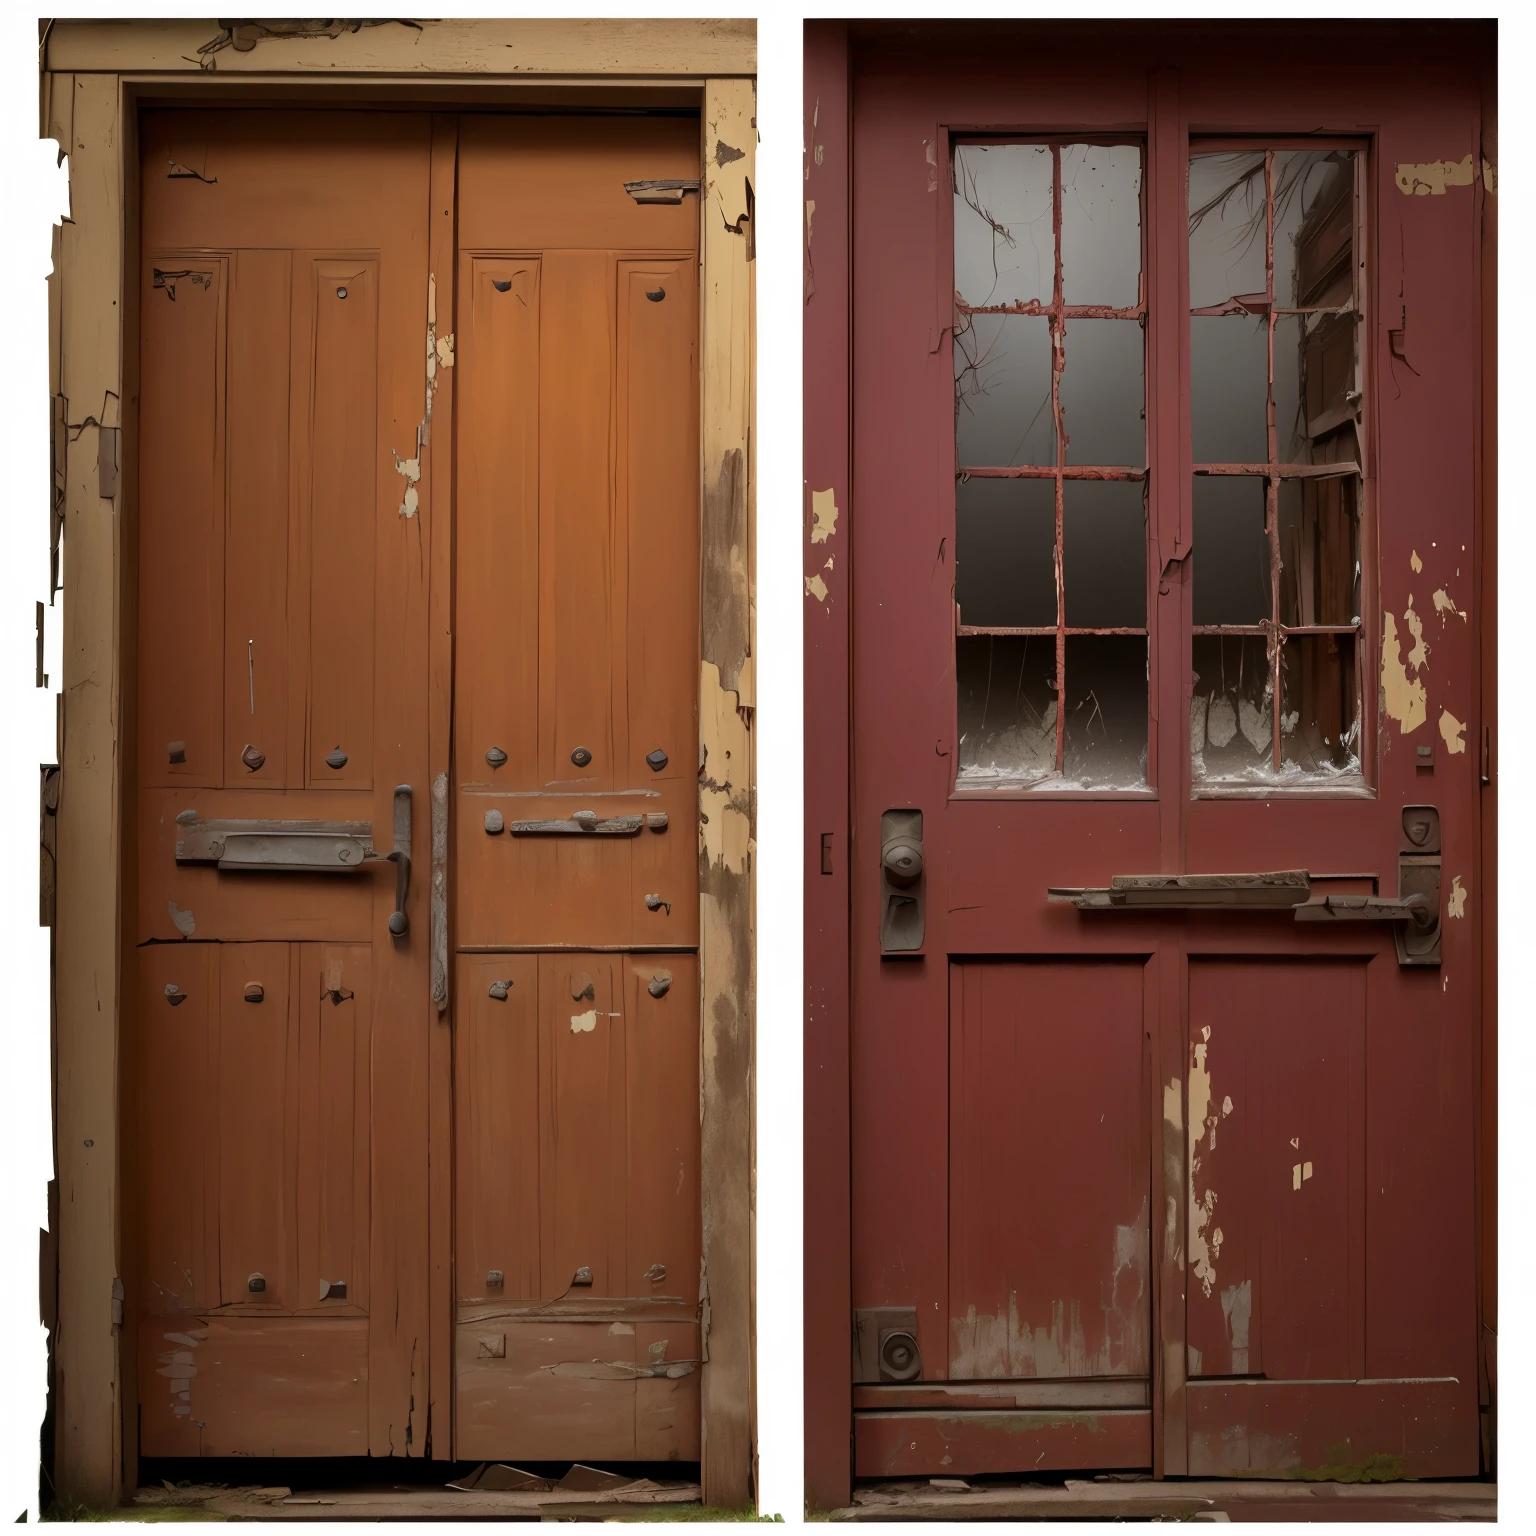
1231 714
1003 391
1104 567
1227 227
1229 388
1231 551
1319 708
1314 228
1319 552
1106 705
1005 546
1005 249
1102 389
1101 225
1007 710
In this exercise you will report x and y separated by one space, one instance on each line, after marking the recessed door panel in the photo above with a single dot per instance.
1049 1210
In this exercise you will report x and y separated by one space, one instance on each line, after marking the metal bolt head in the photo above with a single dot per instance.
581 757
254 992
583 1275
660 984
494 822
495 757
586 820
336 759
657 760
174 995
257 1282
499 990
176 751
398 923
253 757
494 1279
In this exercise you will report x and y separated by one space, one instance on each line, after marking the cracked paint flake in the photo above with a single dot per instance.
1456 902
1433 177
1444 605
1403 697
1415 562
1201 1209
584 1023
410 471
823 515
1453 732
725 823
184 921
816 587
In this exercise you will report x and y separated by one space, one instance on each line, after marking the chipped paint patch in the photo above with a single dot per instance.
184 922
1456 902
1201 1257
823 515
816 587
810 213
1433 177
1415 562
725 819
409 470
1300 1173
992 1346
1444 605
584 1023
1237 1313
1453 732
1403 697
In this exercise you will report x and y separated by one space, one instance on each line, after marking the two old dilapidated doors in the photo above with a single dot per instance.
1166 744
415 993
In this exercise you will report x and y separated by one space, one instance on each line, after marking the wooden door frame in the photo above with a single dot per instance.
829 86
94 77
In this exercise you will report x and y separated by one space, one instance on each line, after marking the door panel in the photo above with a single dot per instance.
281 678
575 895
999 542
1277 1141
1048 1277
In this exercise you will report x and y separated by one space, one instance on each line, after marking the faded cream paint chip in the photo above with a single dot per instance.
1445 605
823 514
1456 902
1403 696
1453 732
1433 177
584 1023
1415 562
816 587
1300 1173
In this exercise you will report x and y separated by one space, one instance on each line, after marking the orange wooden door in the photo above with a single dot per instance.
282 1021
575 889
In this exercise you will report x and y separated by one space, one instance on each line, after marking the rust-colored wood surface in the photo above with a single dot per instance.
282 604
1257 1037
574 793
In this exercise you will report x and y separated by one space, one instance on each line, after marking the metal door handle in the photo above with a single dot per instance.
439 892
400 857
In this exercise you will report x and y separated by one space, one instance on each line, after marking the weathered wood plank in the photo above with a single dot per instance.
726 782
674 46
88 1466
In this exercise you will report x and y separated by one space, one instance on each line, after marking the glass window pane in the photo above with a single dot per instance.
1101 224
1314 228
1227 227
1104 565
1319 706
1007 709
1003 391
1106 705
1231 551
1005 552
1103 392
1231 717
1229 388
1319 552
1005 250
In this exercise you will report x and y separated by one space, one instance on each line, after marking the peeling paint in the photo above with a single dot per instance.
185 923
810 213
816 587
1300 1173
1453 732
1403 697
1445 605
410 471
1415 562
823 515
584 1023
1201 1259
1433 177
1456 902
725 821
1004 1345
931 155
1237 1311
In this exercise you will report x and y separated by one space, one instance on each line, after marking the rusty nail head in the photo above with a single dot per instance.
581 757
495 757
176 751
657 760
257 1282
254 992
494 1279
253 757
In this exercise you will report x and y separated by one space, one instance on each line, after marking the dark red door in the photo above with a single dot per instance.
1166 748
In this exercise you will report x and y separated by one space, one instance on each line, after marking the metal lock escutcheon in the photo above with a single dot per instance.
903 898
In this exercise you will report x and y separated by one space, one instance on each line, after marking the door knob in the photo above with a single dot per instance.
902 898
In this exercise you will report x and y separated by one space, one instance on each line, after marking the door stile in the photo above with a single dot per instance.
1169 548
442 227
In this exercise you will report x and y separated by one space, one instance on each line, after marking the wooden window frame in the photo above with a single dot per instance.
95 77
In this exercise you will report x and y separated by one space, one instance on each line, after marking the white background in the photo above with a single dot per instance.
34 194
